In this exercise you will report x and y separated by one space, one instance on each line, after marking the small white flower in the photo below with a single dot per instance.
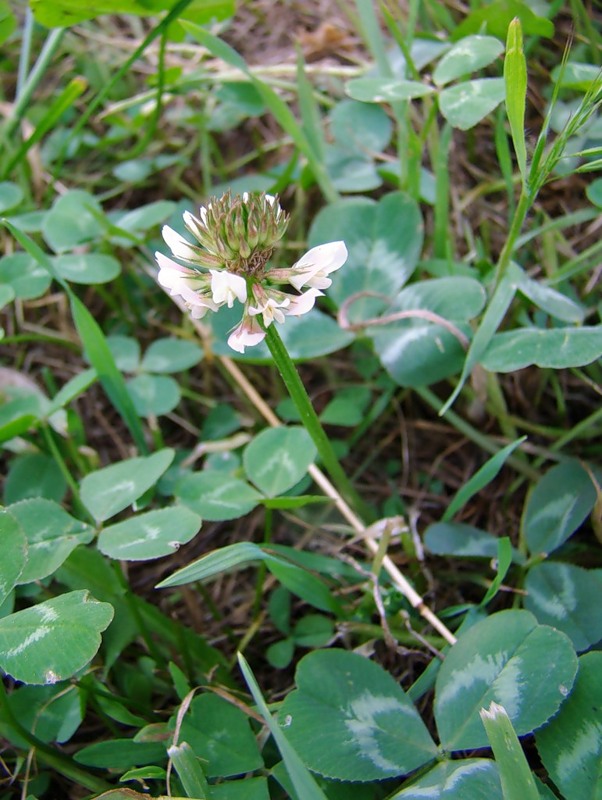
178 245
313 268
247 334
190 285
270 310
303 303
226 287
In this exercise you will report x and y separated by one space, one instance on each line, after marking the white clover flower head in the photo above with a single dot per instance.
228 263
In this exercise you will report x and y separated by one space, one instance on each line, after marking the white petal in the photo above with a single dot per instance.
178 244
247 334
325 258
227 287
303 303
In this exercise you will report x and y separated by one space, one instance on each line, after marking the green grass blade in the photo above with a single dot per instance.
492 318
310 114
480 479
186 764
515 77
516 777
302 779
94 342
56 109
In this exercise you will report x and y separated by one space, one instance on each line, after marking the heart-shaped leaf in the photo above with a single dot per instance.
51 533
510 659
567 597
50 642
469 779
151 535
278 458
570 746
216 496
554 348
14 553
466 104
466 56
350 720
108 491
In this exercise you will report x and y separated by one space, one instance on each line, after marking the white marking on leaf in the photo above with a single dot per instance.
451 782
364 726
578 750
47 613
33 637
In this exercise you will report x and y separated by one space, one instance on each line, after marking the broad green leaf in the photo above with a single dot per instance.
34 475
27 279
216 496
576 76
480 479
302 780
468 778
386 90
570 746
510 659
417 351
549 300
120 754
309 336
14 553
154 395
52 534
557 506
460 539
466 104
10 193
171 355
146 216
313 630
8 21
384 241
277 458
52 713
350 720
72 220
515 79
108 491
553 348
360 128
518 782
126 352
466 56
351 171
64 13
51 641
87 268
567 597
7 295
150 535
243 789
220 735
495 17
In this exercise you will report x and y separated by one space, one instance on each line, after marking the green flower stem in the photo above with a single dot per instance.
520 214
312 424
49 755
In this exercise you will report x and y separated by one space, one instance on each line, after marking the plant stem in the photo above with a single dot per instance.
312 424
518 219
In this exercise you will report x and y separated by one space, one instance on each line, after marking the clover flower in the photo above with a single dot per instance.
235 239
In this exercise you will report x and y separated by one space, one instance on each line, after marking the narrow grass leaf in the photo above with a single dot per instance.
188 767
492 318
308 107
504 560
303 781
94 342
515 775
515 79
480 479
